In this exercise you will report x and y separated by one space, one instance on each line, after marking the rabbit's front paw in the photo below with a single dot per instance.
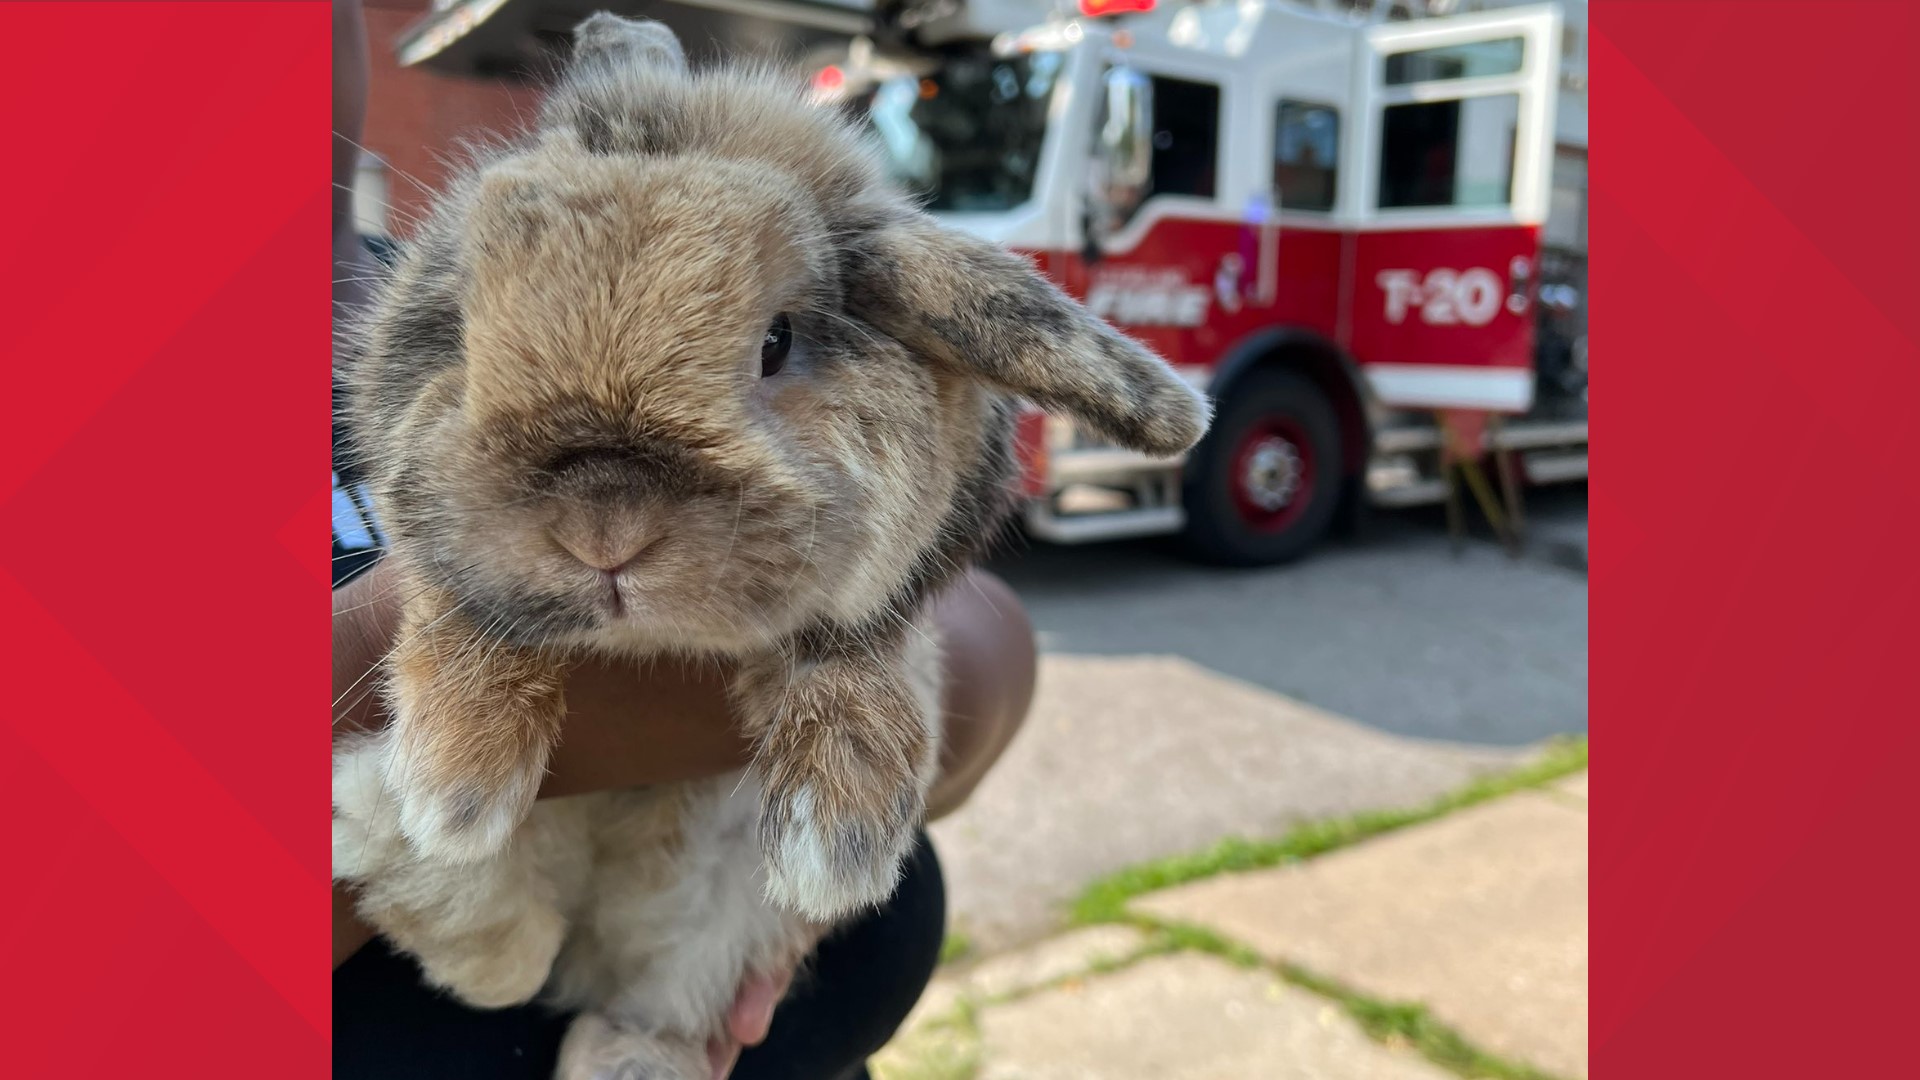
460 818
473 723
470 747
837 818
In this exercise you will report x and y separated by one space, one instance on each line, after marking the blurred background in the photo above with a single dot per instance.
1303 793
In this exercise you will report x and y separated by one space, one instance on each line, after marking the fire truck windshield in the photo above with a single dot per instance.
968 136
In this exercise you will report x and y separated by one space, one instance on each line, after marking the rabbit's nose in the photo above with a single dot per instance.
610 547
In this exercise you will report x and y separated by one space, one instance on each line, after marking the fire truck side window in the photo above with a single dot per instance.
1306 153
1470 60
1449 153
1186 137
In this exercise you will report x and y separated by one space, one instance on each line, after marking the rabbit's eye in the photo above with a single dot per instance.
775 346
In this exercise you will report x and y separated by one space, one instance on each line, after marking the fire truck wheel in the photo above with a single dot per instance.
1263 486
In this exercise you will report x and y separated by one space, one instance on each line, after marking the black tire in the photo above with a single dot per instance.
1218 529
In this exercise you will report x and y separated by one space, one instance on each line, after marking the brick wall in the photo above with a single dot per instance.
414 117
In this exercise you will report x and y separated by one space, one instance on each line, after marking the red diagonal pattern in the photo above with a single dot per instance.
296 537
1752 231
167 350
210 514
1823 130
114 265
164 805
112 973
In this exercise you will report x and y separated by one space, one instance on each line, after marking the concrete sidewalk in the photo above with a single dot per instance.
1455 947
1128 759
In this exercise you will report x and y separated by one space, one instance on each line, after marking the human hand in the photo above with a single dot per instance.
686 732
748 1020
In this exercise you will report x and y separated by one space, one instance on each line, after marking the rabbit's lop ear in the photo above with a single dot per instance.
975 307
607 36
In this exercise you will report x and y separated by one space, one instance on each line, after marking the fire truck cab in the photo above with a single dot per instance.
1331 223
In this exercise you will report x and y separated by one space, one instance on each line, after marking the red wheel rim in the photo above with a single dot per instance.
1272 475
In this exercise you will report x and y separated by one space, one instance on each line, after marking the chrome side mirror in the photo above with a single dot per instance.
1123 153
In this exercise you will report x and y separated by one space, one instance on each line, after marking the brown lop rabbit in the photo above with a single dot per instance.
680 372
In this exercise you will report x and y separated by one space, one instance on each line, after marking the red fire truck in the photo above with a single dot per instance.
1331 224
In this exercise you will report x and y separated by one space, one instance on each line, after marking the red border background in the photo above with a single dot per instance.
1755 523
163 563
165 346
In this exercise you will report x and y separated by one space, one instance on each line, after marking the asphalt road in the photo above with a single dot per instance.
1390 629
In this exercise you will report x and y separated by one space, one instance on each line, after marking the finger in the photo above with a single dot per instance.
752 1013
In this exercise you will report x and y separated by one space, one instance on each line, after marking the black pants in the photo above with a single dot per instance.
389 1025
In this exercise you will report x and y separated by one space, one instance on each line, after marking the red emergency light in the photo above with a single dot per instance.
1094 9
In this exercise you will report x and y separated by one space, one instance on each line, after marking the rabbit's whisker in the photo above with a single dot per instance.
381 663
397 171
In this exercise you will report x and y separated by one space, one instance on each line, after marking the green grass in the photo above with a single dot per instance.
947 1048
1411 1024
1186 936
1390 1022
955 947
1106 899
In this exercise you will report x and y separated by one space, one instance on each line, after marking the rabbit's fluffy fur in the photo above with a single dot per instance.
574 447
